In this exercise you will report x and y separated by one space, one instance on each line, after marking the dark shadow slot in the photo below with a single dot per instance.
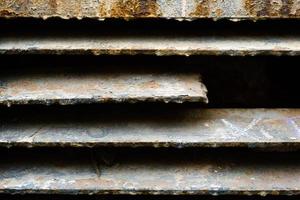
147 26
232 82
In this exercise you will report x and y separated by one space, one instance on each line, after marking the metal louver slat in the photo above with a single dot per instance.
153 45
99 87
256 128
178 9
150 172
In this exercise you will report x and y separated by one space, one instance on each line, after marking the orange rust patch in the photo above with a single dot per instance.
102 10
250 7
269 8
219 12
26 84
150 85
258 8
275 7
134 8
202 9
7 13
53 6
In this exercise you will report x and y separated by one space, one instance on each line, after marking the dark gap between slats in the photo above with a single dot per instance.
232 82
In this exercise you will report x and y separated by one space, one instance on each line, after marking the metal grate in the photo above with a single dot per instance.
150 106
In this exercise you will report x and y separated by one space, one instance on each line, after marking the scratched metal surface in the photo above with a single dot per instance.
253 128
132 171
147 44
178 9
64 86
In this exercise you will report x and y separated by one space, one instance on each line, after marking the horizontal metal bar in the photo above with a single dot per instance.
178 9
150 172
99 87
253 128
153 45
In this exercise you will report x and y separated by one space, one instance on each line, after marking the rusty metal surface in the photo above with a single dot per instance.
253 128
178 9
73 87
237 45
150 172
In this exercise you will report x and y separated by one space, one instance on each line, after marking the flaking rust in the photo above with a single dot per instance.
188 9
134 8
272 8
202 9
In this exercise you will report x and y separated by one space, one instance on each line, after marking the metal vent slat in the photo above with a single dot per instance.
176 9
256 128
99 87
150 172
148 44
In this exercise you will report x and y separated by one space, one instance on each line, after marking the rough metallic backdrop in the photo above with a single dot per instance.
178 9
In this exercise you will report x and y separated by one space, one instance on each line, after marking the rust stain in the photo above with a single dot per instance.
26 83
202 9
271 8
143 8
150 85
7 13
263 8
53 6
279 8
3 4
25 5
134 8
20 5
275 7
102 12
65 9
257 8
219 12
295 8
250 7
286 7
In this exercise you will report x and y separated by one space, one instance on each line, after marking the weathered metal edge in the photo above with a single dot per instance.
233 19
168 52
214 192
265 146
175 99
